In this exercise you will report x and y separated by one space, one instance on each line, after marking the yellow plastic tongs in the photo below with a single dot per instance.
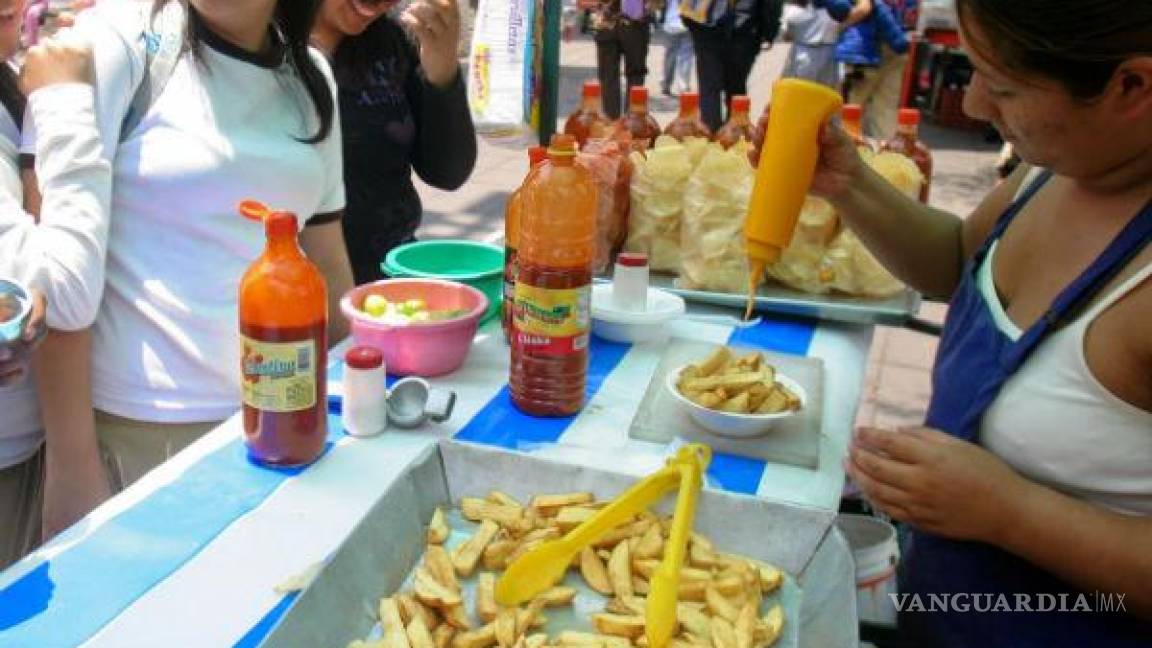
542 567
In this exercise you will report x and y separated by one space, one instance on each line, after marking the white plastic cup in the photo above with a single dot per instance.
364 409
876 553
630 282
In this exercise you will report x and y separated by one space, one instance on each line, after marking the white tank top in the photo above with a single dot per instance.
1057 425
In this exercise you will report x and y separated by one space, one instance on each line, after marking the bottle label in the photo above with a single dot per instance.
551 321
278 376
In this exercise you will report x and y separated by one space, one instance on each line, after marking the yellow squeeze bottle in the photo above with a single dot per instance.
787 164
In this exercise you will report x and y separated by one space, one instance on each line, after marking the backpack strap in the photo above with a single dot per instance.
163 39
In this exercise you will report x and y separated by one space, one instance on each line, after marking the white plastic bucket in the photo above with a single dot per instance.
876 552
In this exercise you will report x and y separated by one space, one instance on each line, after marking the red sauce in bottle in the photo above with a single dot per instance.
587 122
688 122
553 289
739 126
638 121
284 350
536 156
907 142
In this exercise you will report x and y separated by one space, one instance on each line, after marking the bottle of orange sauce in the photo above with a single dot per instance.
638 121
907 142
552 316
587 122
688 122
284 350
536 156
739 125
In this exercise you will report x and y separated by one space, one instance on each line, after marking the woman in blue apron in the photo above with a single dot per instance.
1028 491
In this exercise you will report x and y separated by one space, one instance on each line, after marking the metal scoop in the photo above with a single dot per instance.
542 567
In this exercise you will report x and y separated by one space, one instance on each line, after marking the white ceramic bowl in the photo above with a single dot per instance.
729 424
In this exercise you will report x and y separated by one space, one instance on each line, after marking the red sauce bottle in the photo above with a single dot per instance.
852 117
553 290
907 142
536 156
284 347
739 125
688 123
639 122
587 122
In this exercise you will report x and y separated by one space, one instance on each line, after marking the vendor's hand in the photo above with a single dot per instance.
15 355
54 61
936 482
839 163
436 24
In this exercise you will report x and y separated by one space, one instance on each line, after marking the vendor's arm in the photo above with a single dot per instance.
445 150
956 489
922 246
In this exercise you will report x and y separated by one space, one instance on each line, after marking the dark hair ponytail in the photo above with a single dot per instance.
295 18
1079 43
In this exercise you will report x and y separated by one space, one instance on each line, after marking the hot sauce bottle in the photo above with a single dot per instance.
552 315
284 350
739 125
907 142
587 121
536 156
638 121
688 122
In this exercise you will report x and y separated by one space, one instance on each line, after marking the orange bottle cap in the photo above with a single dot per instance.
689 101
591 88
638 94
741 103
277 224
253 210
908 117
852 112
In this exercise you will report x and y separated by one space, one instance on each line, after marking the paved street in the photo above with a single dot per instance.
897 389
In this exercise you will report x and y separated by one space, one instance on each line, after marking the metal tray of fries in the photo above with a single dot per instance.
774 297
383 556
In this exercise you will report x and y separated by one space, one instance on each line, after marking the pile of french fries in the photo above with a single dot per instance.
742 385
719 600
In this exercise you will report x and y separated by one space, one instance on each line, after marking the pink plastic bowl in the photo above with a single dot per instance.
423 348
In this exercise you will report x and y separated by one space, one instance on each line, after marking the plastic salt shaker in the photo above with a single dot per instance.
365 405
630 281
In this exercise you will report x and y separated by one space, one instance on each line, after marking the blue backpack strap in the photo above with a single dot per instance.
1009 215
1131 241
163 38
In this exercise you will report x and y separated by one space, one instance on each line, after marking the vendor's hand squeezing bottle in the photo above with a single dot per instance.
284 350
552 311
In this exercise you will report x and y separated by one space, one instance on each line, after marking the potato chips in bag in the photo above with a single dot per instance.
658 179
712 235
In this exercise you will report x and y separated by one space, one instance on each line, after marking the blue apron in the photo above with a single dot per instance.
973 361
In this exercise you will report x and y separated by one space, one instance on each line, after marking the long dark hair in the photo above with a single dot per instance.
293 19
1079 43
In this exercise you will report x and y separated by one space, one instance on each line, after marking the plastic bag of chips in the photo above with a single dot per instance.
715 207
657 203
607 162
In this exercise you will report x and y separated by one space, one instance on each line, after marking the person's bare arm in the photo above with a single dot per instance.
922 246
860 11
324 245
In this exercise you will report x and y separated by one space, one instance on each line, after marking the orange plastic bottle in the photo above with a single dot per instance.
739 125
587 121
639 122
852 117
512 211
553 290
688 122
284 347
907 142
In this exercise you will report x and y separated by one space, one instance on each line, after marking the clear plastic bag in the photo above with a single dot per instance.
657 203
715 207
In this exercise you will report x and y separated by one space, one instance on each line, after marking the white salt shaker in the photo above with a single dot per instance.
364 410
630 281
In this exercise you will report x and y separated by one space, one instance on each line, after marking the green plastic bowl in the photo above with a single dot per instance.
479 265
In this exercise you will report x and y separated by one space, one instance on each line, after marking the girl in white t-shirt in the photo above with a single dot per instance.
247 111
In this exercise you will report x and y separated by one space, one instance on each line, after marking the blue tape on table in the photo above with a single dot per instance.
743 474
499 423
260 631
65 601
